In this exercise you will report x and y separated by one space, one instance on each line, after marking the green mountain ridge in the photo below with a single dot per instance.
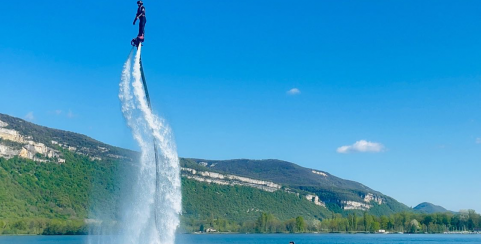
330 189
430 208
92 180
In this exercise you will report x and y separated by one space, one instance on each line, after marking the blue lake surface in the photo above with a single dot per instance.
260 239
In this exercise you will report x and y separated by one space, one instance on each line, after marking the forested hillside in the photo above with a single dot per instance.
58 182
335 192
427 207
81 189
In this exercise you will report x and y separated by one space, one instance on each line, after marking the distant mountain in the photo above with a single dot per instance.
53 173
337 194
429 208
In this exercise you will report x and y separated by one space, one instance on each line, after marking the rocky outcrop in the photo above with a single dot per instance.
370 197
319 173
8 152
11 135
226 179
366 205
31 150
315 199
348 205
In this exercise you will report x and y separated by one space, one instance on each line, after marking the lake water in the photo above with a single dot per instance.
262 239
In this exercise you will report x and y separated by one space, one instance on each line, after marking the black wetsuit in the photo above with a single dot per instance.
141 14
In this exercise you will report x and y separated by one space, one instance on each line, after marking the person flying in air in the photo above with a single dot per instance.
141 15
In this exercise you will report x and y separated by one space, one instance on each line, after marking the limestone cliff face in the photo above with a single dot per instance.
315 199
370 197
29 149
40 143
318 173
16 144
227 179
11 135
351 205
7 151
348 205
365 205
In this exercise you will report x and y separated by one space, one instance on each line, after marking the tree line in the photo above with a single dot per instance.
405 222
42 226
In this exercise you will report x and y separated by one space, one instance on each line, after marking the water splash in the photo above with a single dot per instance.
151 133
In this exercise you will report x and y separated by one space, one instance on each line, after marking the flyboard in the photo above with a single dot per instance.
137 42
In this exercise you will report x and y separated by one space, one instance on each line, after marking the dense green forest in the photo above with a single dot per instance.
49 190
52 198
232 206
69 198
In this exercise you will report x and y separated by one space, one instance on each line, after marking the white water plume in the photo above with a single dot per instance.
151 216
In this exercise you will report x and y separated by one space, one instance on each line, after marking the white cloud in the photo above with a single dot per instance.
29 116
55 112
70 114
294 91
361 146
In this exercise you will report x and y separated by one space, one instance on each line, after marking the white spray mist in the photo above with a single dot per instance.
151 133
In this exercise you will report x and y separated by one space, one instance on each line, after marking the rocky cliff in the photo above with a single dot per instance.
15 144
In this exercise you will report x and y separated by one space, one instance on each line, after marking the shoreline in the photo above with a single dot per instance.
308 233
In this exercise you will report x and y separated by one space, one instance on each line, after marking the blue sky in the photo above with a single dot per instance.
386 93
